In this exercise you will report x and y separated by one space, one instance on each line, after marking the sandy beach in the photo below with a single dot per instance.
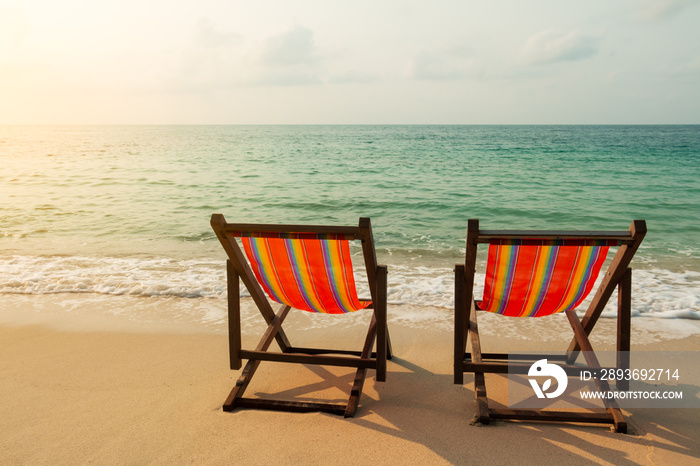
77 393
130 130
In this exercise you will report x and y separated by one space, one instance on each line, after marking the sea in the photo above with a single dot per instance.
107 211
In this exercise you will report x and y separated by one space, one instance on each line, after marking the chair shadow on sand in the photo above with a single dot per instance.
446 414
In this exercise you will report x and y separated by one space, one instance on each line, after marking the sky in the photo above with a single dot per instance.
349 62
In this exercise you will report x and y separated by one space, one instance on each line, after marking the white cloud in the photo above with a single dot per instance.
352 77
551 46
289 77
291 48
662 9
690 69
207 35
454 63
289 59
210 60
217 59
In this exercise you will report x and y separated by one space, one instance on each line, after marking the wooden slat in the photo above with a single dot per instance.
301 358
517 356
297 349
490 367
290 406
621 236
558 416
348 231
503 367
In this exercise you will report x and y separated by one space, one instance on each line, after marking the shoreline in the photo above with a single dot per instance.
417 282
78 396
170 314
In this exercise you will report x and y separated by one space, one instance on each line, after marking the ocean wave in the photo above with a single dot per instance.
656 292
112 276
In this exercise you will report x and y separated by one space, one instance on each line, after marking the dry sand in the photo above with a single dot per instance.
71 396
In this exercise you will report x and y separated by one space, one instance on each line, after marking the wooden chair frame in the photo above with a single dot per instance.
238 270
466 328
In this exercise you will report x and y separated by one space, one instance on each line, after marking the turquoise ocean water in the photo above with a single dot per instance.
124 210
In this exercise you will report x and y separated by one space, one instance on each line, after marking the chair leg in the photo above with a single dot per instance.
381 318
241 385
624 321
234 316
481 398
358 384
252 365
584 343
461 320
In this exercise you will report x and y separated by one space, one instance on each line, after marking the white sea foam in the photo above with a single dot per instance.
656 292
112 276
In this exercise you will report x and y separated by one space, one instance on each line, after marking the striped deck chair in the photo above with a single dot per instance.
537 274
306 268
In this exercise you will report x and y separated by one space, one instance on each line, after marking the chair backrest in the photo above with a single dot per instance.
305 267
531 279
539 273
313 275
